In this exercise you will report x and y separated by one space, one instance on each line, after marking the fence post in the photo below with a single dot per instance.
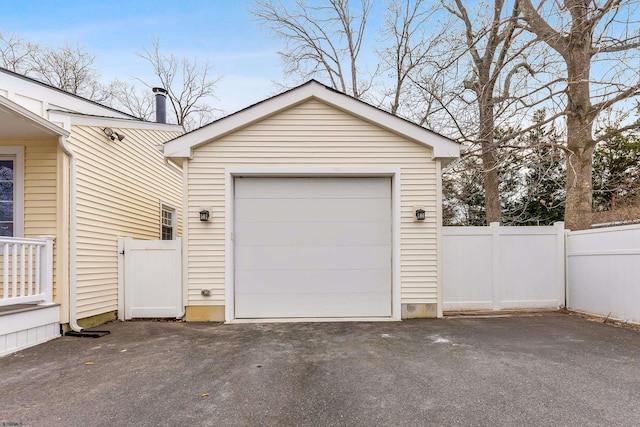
121 289
561 264
495 264
46 270
567 283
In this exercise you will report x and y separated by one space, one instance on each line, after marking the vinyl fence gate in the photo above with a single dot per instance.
150 278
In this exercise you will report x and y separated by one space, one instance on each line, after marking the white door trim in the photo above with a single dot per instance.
17 155
263 172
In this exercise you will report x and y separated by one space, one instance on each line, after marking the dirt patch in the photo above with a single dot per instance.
525 313
501 313
605 320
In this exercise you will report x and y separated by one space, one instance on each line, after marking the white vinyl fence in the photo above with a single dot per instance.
502 268
603 272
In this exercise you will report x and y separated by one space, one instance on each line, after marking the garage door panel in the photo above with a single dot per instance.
312 257
312 247
321 234
287 188
312 210
318 305
313 281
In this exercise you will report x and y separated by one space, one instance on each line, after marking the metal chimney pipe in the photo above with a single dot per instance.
161 104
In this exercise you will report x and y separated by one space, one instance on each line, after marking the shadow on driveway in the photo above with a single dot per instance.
551 369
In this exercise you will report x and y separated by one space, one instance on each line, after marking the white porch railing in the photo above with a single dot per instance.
26 270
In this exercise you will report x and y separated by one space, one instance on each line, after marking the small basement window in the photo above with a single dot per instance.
167 222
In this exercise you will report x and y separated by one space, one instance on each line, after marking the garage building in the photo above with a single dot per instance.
311 205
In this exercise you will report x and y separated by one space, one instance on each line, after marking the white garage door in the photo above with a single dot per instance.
312 247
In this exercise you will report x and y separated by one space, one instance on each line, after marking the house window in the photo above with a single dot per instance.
11 191
7 177
167 223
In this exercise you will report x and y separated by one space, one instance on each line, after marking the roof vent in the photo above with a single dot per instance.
161 104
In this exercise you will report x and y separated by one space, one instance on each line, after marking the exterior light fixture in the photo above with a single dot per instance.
420 214
204 215
113 134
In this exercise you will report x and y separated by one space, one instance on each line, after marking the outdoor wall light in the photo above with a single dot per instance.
113 134
204 215
420 214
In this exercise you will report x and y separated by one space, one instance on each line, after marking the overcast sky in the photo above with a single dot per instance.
222 31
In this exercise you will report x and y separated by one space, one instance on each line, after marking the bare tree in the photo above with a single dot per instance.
189 85
68 68
583 33
132 99
15 53
412 39
417 68
322 41
495 58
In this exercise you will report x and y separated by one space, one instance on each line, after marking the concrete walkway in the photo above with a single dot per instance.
537 370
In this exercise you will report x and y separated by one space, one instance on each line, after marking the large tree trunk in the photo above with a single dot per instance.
579 167
489 161
580 117
578 44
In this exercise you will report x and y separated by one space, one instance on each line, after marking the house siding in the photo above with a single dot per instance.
40 196
309 136
120 186
40 189
40 201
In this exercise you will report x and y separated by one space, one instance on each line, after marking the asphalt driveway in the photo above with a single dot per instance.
552 369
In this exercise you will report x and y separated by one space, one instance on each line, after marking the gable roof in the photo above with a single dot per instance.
182 146
18 122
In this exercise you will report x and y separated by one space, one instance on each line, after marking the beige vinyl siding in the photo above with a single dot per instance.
40 192
307 136
40 189
41 196
120 186
40 185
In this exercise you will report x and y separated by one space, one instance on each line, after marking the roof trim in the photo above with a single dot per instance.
182 146
91 119
73 95
41 122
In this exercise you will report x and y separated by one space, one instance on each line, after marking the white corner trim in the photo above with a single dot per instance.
439 290
185 239
229 248
396 248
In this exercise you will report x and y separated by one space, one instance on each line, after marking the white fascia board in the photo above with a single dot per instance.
87 120
45 124
185 153
182 146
